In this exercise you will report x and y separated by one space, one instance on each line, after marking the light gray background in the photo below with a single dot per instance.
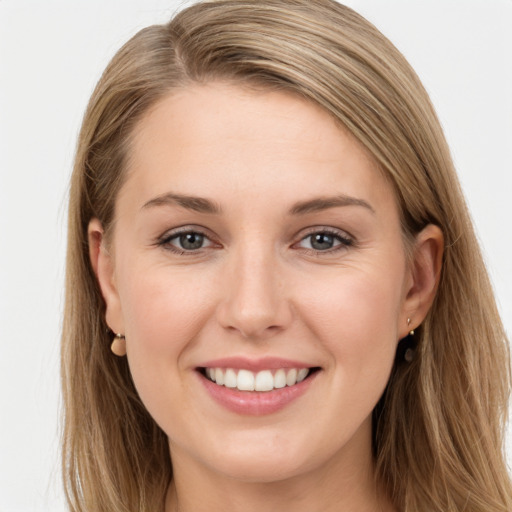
52 53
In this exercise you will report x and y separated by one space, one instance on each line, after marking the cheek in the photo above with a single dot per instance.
354 314
162 307
164 313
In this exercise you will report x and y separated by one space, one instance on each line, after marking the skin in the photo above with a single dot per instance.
258 287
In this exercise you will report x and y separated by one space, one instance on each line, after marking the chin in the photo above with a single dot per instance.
262 469
267 455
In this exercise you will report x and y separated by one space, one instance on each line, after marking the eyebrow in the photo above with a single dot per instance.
324 203
203 205
197 204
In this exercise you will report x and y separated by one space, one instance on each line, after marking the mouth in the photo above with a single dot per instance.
262 381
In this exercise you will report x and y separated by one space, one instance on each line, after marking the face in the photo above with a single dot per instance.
257 269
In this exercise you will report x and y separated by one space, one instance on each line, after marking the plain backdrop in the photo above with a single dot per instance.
52 53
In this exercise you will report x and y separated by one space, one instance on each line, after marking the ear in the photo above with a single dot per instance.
103 266
424 274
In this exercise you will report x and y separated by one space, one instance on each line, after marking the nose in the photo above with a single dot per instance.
254 302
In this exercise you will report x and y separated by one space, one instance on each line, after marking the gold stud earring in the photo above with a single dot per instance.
411 332
118 346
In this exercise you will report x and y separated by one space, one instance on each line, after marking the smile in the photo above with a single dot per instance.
264 380
256 387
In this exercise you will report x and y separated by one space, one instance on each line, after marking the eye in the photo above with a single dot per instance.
324 241
186 241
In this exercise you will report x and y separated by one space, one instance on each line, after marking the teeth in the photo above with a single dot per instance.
230 380
280 379
245 380
302 374
219 376
265 380
291 377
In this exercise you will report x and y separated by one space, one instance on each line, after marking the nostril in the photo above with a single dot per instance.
254 329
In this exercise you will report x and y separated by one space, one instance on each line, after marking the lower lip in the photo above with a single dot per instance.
256 403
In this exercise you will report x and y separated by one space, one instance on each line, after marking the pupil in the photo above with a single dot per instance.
191 241
322 241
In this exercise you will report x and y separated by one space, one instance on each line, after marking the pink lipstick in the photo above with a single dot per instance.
256 387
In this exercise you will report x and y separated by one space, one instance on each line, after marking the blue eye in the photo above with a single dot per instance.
323 241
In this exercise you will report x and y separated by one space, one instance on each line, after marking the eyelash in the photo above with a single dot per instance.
165 240
344 240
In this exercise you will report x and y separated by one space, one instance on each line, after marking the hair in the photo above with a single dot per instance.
438 429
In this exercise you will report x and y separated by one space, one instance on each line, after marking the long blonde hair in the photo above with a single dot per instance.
438 429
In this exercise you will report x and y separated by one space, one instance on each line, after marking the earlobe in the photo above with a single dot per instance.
425 269
103 266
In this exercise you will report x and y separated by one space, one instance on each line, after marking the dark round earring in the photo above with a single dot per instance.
406 348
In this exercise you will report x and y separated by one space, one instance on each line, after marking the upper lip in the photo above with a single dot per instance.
254 365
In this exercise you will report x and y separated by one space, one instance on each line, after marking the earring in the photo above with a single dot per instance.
406 348
118 346
411 332
410 350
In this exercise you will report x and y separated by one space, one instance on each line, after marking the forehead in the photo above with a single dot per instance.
208 137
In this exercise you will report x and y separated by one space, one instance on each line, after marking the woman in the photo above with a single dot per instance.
267 231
